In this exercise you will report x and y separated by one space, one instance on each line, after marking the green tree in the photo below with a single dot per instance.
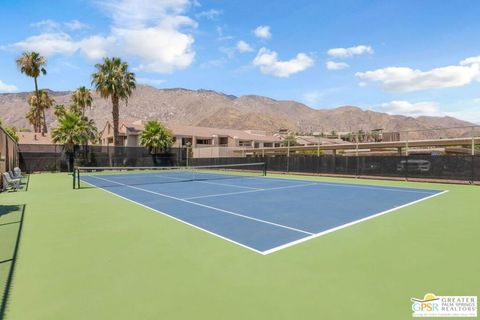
32 64
33 116
38 108
113 80
73 130
82 99
12 131
156 137
59 110
290 140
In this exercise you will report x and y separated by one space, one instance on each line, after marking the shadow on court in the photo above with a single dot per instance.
11 221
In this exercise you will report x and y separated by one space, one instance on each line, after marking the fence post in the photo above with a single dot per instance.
318 147
288 156
473 140
356 156
473 156
406 146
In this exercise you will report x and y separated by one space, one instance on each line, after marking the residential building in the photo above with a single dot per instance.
203 141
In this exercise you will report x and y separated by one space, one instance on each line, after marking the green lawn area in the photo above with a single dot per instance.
87 254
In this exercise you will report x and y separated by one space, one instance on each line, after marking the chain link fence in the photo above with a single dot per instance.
460 168
54 158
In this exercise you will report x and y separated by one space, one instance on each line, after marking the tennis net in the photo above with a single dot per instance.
121 176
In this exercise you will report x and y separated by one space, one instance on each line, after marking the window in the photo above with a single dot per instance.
243 143
268 144
186 141
204 141
223 141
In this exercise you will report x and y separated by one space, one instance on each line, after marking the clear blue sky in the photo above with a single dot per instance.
404 57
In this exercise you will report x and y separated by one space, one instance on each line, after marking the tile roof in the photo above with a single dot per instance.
34 138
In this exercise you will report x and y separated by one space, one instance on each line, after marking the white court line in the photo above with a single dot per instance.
176 219
284 246
208 207
348 224
215 183
251 191
345 185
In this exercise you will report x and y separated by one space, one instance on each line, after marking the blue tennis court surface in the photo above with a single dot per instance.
260 213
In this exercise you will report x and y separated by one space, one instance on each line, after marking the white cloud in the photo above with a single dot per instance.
351 51
221 35
228 51
46 25
405 79
140 13
153 31
313 98
406 108
47 44
263 32
75 25
49 25
268 63
429 108
469 114
211 14
332 65
243 46
96 47
162 49
150 81
7 87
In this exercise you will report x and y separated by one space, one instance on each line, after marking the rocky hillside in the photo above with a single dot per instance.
213 109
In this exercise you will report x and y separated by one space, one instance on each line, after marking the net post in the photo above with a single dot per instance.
78 178
74 177
264 168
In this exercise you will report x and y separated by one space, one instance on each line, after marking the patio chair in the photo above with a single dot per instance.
8 181
17 173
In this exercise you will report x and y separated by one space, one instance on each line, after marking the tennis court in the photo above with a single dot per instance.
89 254
238 204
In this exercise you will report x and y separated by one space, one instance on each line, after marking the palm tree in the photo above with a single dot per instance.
59 110
82 98
31 64
113 80
32 116
156 137
40 106
73 130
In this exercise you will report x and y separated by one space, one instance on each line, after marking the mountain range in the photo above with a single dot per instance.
213 109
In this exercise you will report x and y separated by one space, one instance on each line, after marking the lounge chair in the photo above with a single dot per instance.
8 181
17 173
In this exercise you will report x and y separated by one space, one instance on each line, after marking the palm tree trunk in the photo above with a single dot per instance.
115 116
37 94
45 130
